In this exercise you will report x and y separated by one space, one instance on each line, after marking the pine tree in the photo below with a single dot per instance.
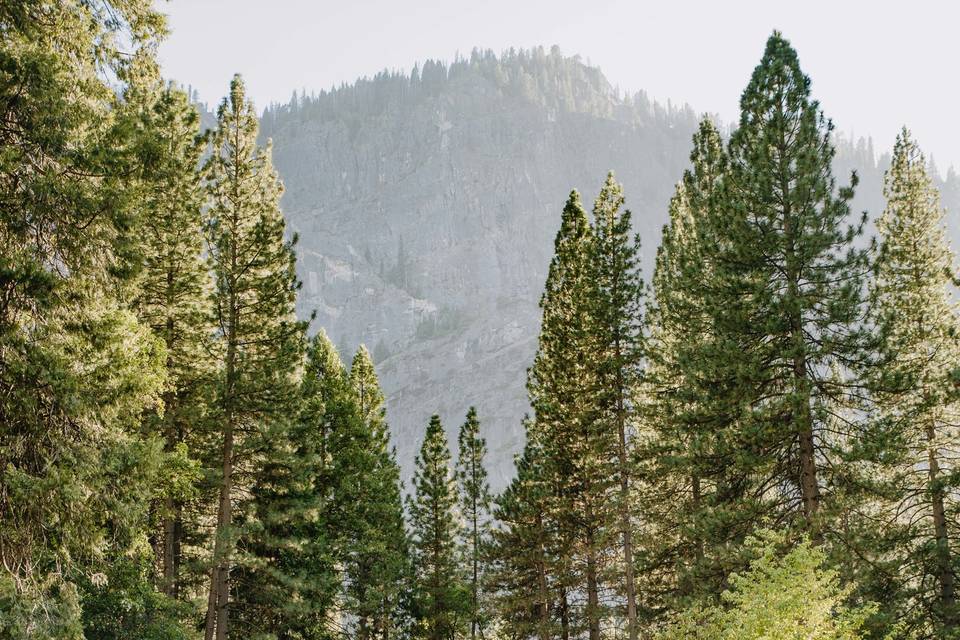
379 568
519 574
919 321
684 469
287 579
172 291
616 310
475 504
256 286
436 528
786 309
76 368
562 385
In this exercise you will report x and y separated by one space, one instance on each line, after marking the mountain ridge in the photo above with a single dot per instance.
426 205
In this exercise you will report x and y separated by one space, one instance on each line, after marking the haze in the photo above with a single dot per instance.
875 65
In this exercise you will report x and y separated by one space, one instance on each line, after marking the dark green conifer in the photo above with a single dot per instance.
287 579
377 568
475 504
442 597
519 558
261 341
617 355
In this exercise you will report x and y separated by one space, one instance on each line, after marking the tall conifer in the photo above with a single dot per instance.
617 354
475 503
435 523
261 341
562 384
919 320
379 568
682 462
172 293
287 579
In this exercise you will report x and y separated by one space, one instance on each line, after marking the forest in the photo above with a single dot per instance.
755 441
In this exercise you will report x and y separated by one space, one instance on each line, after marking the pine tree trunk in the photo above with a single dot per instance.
217 604
695 490
476 569
593 592
803 419
625 525
171 435
944 565
169 548
564 615
543 625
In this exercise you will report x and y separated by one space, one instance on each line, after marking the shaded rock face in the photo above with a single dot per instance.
426 207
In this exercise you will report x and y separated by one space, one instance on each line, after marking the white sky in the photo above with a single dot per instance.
876 65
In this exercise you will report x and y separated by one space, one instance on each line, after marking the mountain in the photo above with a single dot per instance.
426 205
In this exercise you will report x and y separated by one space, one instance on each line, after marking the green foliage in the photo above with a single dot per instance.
475 504
519 559
261 342
125 603
916 402
376 545
76 369
442 598
576 447
788 595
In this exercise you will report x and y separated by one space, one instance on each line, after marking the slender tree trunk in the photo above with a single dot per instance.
626 530
217 604
564 615
696 493
944 564
593 592
476 544
543 626
217 611
802 417
169 548
172 438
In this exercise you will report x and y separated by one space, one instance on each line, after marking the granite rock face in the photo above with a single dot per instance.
426 206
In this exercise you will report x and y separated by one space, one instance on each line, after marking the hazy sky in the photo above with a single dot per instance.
876 65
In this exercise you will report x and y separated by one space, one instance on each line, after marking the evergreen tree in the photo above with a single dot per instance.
475 503
171 293
379 568
785 307
442 598
919 321
617 351
287 579
261 342
76 368
562 384
684 467
519 558
790 305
